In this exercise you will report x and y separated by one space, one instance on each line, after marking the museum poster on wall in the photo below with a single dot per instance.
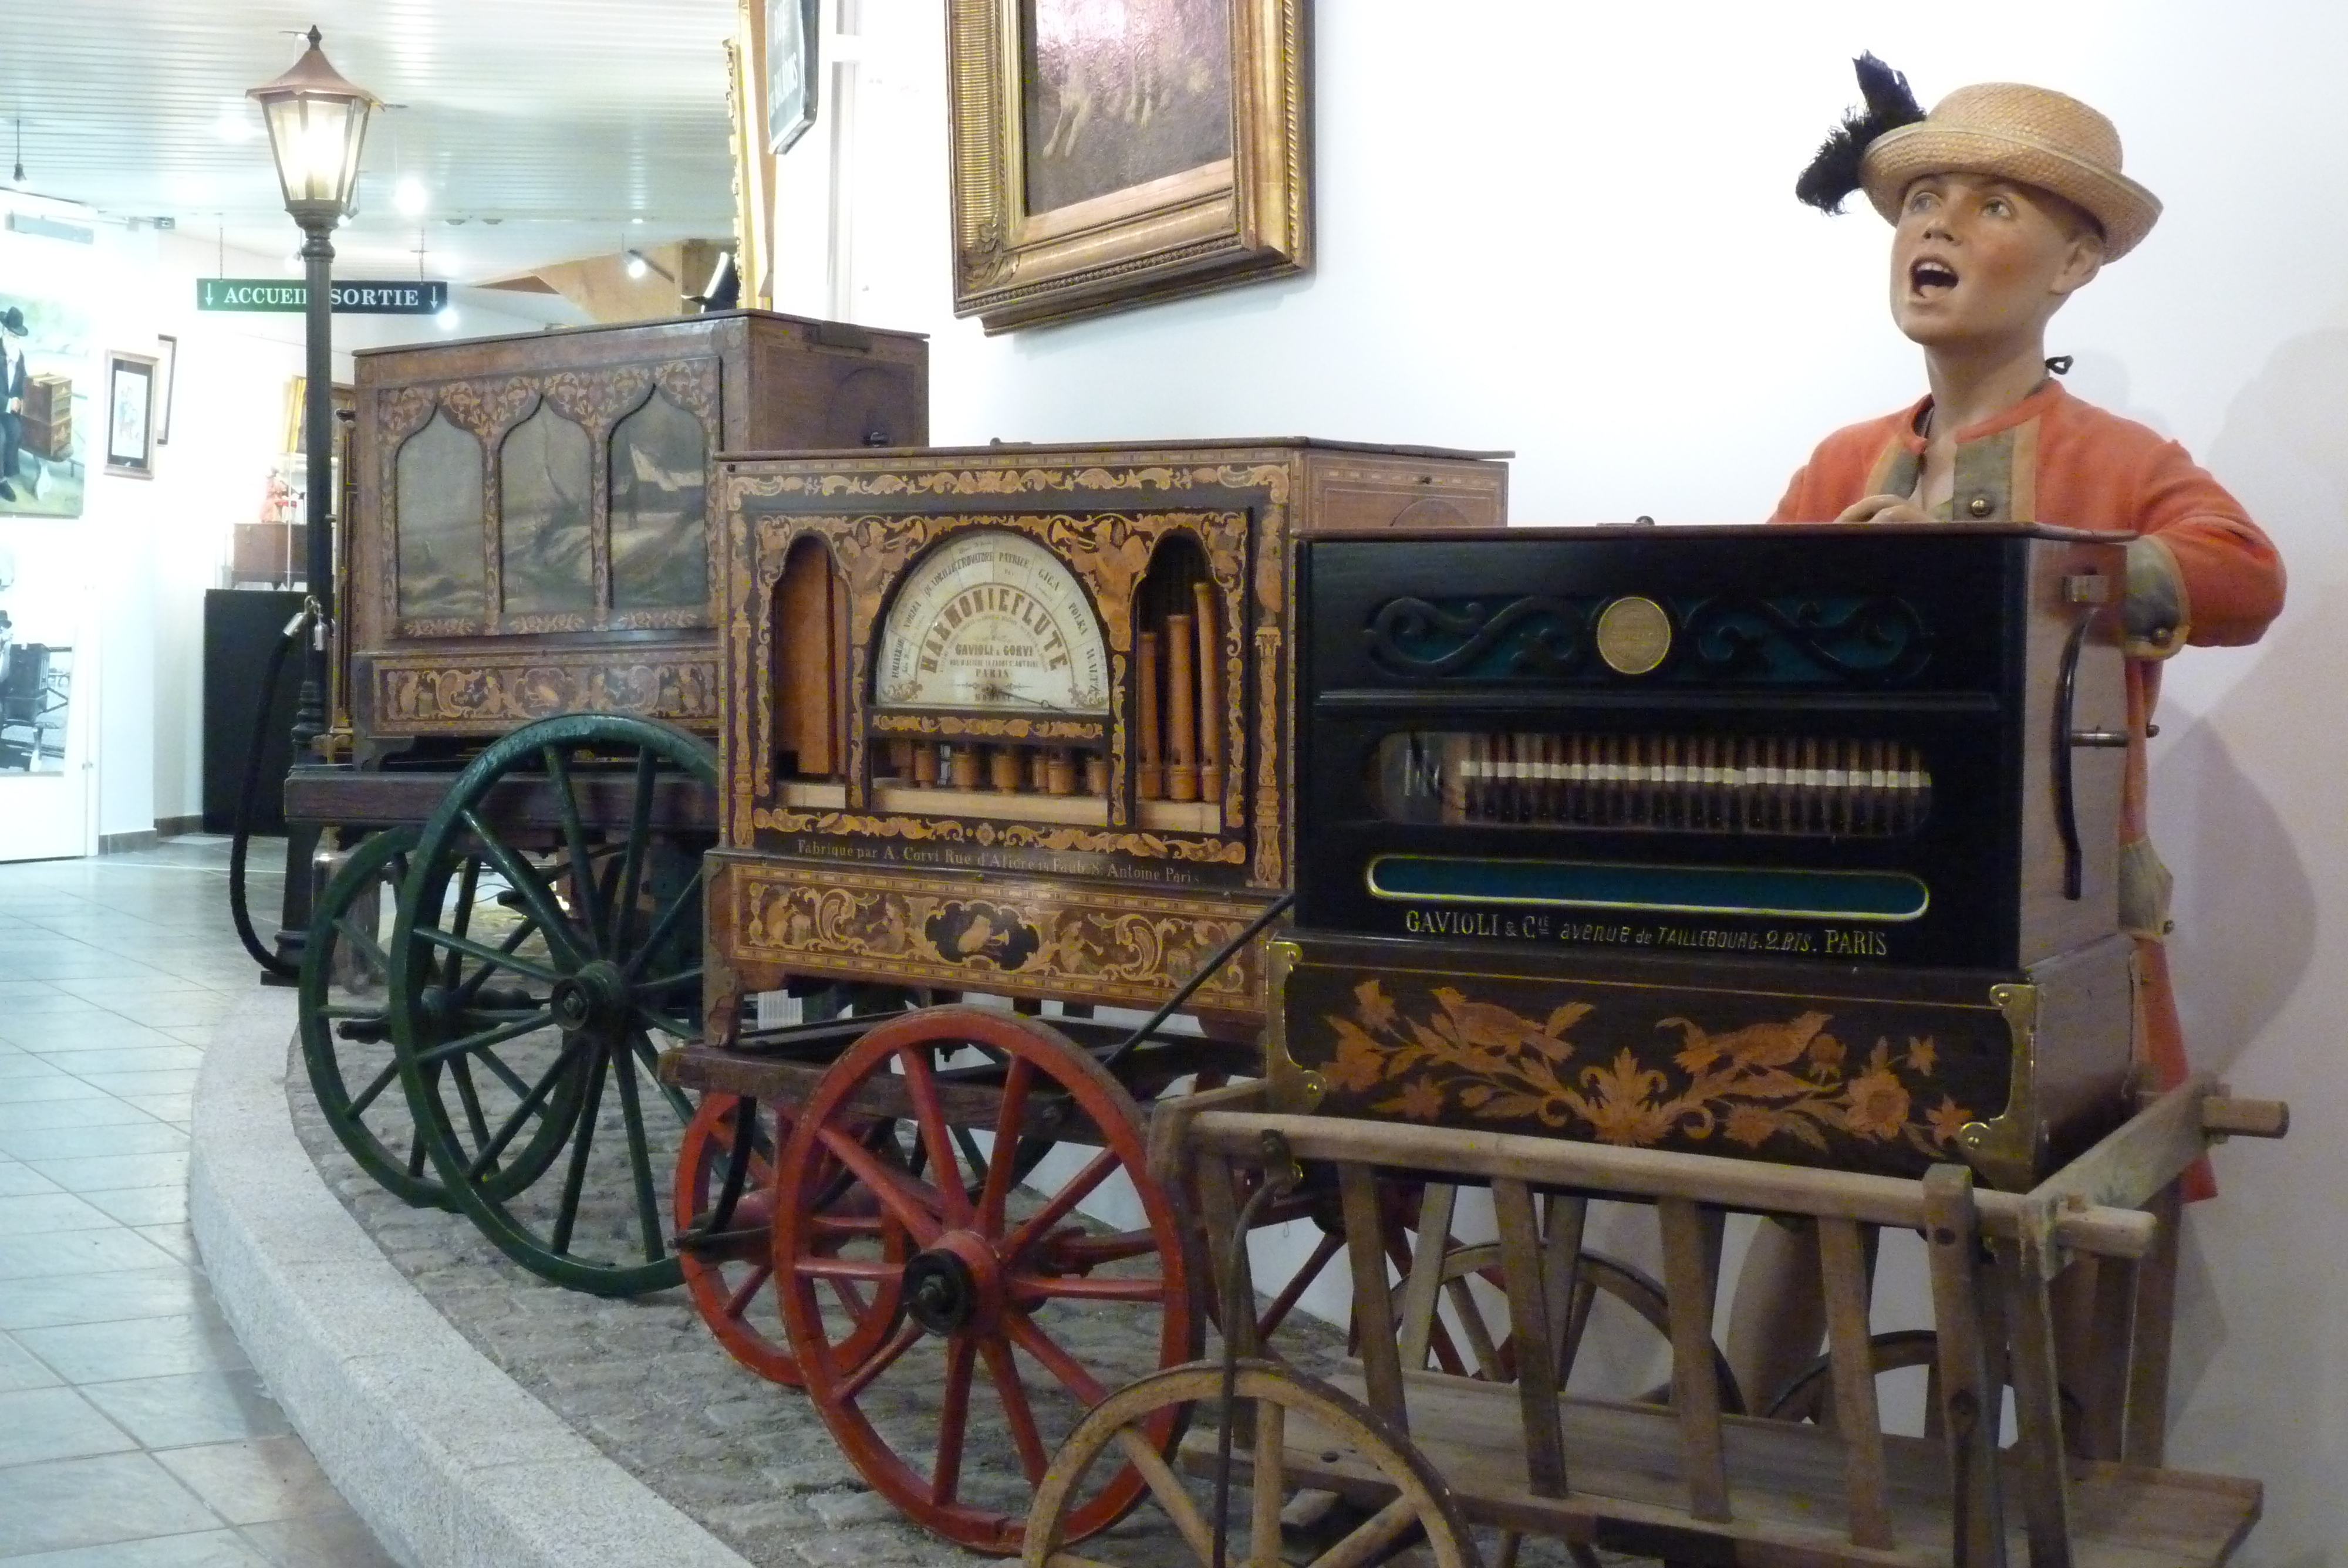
40 592
49 371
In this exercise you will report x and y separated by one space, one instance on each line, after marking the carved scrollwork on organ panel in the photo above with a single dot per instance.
1026 937
412 696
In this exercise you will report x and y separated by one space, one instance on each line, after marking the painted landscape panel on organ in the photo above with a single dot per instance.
545 476
660 516
438 510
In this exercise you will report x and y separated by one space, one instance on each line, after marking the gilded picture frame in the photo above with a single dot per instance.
1109 154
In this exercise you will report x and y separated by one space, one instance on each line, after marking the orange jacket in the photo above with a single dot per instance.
2052 458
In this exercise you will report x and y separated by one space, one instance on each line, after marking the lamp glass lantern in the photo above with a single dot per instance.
317 124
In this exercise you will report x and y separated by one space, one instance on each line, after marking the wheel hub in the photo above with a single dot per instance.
593 1001
951 1285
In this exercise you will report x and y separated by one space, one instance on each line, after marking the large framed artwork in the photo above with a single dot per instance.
45 370
1113 153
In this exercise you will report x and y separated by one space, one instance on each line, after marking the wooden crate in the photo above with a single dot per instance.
532 533
51 438
48 400
268 552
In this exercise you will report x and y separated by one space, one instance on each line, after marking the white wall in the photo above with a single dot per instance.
152 547
1567 230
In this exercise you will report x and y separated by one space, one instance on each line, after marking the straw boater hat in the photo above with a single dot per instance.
2029 134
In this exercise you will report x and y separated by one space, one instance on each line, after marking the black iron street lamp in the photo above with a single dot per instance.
318 123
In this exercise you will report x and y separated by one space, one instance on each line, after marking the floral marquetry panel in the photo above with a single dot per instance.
1887 1085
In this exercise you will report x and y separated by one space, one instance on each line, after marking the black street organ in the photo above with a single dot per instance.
1795 842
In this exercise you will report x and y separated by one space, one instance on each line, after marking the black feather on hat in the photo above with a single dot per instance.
1834 173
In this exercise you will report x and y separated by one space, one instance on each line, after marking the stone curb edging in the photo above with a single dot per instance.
447 1459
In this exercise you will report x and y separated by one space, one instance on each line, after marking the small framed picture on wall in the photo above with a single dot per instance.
130 414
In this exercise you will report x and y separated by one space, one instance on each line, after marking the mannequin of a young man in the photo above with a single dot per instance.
2005 201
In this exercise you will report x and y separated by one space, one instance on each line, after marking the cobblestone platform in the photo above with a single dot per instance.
644 1382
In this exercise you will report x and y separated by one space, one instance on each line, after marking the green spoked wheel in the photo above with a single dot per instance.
347 1020
346 1044
561 881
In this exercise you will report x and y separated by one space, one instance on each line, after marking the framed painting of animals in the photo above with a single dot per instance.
1113 153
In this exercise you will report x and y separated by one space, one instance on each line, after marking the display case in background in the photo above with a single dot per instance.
241 626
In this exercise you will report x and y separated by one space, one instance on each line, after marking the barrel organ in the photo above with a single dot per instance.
1016 719
1797 842
532 529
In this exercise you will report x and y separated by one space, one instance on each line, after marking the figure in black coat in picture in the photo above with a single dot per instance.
12 398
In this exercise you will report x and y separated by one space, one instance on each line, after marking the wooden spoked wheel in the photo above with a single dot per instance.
345 1009
548 883
1017 1314
1809 1397
1299 1434
1481 1319
729 1269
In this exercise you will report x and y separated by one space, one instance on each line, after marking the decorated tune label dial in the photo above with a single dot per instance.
993 619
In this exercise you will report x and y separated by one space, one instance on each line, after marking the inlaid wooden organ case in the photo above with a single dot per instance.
532 531
1017 719
1798 843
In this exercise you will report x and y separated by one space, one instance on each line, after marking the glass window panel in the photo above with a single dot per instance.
545 476
660 526
437 519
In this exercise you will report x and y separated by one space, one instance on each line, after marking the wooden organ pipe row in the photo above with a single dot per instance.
1180 670
1009 769
1717 784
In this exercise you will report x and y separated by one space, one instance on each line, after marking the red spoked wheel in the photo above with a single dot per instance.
729 1260
1019 1316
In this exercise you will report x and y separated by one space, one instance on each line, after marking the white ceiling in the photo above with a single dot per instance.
542 130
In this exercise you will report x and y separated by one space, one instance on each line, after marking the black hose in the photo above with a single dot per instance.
241 830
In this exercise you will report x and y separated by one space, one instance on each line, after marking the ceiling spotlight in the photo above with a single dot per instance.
448 318
639 264
410 197
234 123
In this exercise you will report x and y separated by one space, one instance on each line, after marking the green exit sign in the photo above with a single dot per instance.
349 296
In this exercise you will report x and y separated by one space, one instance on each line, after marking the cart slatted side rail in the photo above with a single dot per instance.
1694 1484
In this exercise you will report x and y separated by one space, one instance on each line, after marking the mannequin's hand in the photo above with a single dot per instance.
1883 509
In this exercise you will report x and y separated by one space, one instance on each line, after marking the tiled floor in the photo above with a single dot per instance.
133 1434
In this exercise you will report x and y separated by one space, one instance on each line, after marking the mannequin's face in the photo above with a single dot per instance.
1977 260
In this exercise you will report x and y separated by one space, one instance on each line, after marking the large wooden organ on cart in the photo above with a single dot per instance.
1017 718
1798 843
533 532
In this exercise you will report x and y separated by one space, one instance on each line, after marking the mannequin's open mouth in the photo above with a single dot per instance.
1930 280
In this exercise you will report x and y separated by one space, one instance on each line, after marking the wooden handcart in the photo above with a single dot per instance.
1425 1460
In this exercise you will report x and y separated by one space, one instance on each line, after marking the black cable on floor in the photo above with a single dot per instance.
241 830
